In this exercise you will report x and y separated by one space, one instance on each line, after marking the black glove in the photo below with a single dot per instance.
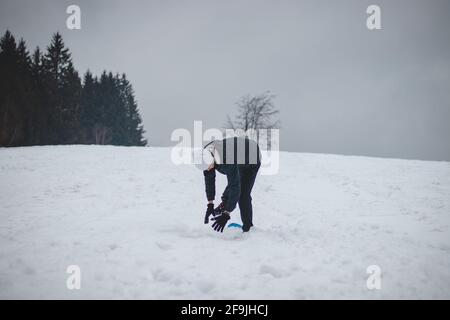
209 211
219 209
220 221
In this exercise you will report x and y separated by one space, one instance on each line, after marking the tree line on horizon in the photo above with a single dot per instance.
43 100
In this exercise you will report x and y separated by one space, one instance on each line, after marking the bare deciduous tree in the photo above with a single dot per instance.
255 112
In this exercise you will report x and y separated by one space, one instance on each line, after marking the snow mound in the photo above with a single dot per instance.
133 222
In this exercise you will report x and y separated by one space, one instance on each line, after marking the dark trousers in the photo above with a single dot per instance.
247 175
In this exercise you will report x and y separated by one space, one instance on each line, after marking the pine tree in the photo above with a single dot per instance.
71 91
40 107
15 91
117 117
106 98
89 111
63 87
133 123
27 94
8 65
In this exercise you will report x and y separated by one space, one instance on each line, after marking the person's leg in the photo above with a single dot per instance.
248 175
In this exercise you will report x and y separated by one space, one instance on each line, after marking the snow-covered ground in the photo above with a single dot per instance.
133 222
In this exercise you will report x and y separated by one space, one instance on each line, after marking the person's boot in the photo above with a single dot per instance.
246 228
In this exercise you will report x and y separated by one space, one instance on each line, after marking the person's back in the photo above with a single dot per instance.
235 150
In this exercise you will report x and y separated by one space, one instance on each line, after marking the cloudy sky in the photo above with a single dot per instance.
340 87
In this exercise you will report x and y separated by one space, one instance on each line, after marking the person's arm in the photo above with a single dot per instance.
210 184
225 194
233 187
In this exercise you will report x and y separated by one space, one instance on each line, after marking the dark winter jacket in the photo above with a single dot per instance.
229 155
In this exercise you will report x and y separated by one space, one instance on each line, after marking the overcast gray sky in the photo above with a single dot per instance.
340 87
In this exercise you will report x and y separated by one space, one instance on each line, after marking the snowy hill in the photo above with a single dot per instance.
133 222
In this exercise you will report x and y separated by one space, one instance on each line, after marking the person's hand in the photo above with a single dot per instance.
209 211
220 221
219 208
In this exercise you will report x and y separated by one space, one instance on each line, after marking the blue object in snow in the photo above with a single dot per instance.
234 225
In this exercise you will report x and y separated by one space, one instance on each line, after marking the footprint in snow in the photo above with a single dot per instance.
206 286
274 272
163 246
160 275
113 246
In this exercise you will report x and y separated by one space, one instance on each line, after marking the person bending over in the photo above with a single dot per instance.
239 158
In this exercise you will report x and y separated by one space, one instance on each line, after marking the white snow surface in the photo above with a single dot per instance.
133 222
